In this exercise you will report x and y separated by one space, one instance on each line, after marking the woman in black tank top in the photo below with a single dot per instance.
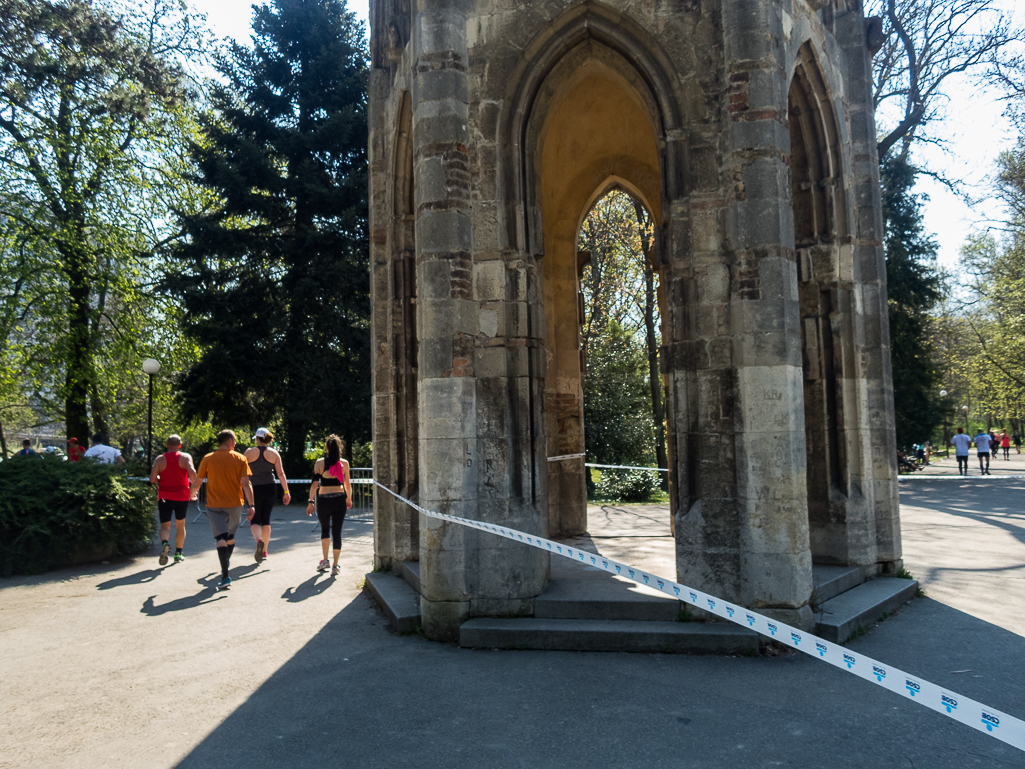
331 496
263 463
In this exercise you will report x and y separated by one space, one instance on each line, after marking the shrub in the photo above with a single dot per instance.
52 510
628 485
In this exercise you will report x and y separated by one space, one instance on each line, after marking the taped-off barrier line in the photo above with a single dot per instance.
969 712
960 477
301 482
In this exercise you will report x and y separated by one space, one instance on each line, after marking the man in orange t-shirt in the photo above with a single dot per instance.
227 487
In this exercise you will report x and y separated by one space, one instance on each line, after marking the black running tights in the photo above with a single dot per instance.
331 512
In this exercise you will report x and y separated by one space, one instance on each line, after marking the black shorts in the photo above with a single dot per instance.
167 506
264 497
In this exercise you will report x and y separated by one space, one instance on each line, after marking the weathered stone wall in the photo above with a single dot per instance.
494 126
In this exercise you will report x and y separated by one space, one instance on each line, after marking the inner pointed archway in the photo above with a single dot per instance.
598 133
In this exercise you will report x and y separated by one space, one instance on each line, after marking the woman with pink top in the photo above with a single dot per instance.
1005 444
330 496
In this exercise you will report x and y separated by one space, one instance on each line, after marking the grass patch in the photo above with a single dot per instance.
905 574
857 633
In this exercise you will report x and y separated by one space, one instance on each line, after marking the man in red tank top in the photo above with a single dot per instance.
177 483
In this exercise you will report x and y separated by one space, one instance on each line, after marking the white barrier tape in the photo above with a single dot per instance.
293 482
960 477
630 467
566 456
983 718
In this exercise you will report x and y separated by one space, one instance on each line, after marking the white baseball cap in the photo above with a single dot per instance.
263 432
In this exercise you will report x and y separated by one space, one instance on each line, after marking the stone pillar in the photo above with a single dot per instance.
880 536
746 535
393 332
446 316
479 439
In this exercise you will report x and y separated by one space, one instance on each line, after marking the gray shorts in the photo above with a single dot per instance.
224 520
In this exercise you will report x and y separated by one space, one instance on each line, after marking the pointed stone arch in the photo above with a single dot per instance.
822 244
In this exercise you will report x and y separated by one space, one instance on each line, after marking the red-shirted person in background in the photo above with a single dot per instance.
75 452
177 483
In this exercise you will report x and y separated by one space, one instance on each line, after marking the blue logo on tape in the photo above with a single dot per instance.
619 569
559 548
582 557
693 597
630 572
729 610
750 619
645 578
851 662
593 561
773 628
605 564
521 537
821 649
878 672
991 721
676 589
711 603
569 550
549 545
529 542
948 702
661 585
913 687
796 638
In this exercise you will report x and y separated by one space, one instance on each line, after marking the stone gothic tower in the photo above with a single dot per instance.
745 127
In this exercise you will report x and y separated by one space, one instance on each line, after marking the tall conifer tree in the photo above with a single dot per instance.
274 276
913 290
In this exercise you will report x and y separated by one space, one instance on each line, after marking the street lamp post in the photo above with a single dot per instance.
946 436
150 367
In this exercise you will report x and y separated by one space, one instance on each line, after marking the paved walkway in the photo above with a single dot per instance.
131 665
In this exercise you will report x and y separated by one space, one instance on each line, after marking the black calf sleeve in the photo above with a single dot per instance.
224 557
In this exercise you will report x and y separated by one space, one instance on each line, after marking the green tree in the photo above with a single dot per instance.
274 276
617 402
913 290
89 93
619 287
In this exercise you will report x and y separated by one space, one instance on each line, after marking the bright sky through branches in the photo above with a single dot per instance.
975 128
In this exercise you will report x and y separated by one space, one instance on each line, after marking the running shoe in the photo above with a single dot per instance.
163 553
224 584
335 571
178 557
259 551
323 565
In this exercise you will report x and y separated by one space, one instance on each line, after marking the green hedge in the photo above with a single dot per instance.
52 511
628 485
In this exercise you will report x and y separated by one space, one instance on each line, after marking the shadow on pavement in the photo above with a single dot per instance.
996 505
138 578
309 588
205 596
357 695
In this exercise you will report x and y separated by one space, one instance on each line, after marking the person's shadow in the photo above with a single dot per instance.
139 578
205 596
307 589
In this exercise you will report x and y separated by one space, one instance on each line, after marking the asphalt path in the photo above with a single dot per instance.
130 664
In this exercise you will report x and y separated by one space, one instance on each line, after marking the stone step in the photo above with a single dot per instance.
409 571
401 605
607 598
840 617
608 636
831 581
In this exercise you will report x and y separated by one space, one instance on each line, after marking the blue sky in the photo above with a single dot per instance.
975 129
